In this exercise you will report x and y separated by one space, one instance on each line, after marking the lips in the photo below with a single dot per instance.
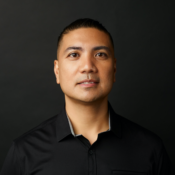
87 84
88 80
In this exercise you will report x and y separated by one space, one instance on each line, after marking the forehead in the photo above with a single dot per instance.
85 37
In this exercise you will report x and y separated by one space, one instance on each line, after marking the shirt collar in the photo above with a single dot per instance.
72 130
64 127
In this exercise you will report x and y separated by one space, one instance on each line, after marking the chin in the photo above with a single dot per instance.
91 99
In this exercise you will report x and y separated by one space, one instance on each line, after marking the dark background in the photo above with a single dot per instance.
143 33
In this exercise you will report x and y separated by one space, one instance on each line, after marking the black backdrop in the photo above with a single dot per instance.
143 33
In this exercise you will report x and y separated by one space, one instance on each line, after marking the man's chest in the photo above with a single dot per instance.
74 156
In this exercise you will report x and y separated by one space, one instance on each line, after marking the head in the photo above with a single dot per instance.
85 52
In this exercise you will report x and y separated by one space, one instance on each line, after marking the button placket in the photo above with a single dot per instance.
92 162
91 152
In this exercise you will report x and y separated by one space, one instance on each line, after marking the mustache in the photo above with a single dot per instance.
94 78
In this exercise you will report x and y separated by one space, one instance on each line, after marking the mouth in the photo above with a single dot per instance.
88 84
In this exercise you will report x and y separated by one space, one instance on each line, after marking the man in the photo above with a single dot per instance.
87 136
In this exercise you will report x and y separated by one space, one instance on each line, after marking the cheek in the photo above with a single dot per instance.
107 72
107 78
67 76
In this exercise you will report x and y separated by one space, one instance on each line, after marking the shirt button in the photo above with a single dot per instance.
91 152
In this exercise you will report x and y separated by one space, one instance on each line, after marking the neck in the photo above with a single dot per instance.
88 118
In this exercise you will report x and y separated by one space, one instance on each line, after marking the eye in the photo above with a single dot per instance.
101 54
73 55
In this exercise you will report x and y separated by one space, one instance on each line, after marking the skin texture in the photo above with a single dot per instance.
86 107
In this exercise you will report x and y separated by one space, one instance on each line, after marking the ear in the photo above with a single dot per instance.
56 71
115 69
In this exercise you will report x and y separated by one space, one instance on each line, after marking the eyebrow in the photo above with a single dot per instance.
94 48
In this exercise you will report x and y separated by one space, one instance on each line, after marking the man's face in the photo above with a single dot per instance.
85 53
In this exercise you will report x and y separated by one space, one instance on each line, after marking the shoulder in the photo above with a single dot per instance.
140 135
41 130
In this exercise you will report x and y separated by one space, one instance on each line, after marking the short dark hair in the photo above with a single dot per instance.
83 23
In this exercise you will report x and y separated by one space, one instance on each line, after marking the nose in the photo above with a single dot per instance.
88 65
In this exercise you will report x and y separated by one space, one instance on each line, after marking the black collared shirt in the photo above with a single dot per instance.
52 149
